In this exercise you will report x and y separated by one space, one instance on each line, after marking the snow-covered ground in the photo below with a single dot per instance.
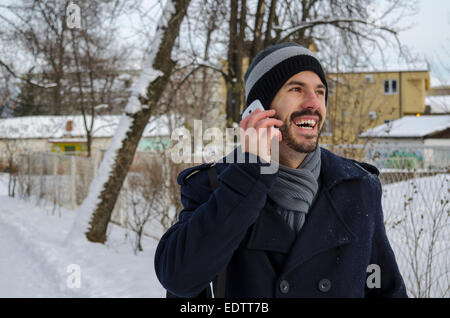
417 219
34 262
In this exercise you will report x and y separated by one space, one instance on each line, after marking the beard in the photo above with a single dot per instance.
289 137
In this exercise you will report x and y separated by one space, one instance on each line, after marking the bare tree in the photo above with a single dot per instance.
147 196
352 24
6 92
95 212
96 65
418 227
72 69
12 148
25 22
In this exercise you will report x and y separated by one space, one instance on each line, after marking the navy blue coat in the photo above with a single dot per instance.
233 226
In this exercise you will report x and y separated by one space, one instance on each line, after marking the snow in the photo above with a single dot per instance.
86 210
438 82
34 261
410 127
415 211
407 67
438 104
54 127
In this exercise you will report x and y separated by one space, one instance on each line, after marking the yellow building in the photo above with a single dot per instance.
363 98
69 146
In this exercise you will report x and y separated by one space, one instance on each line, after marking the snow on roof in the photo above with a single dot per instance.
438 82
438 104
55 127
410 127
410 67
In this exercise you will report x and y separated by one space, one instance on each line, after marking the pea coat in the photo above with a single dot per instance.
341 251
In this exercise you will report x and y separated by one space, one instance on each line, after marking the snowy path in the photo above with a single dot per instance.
34 261
20 274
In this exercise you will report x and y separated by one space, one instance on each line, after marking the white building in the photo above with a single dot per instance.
67 134
410 142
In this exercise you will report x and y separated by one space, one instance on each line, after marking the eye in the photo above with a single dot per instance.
295 89
320 92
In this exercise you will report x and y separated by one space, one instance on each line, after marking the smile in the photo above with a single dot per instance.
306 123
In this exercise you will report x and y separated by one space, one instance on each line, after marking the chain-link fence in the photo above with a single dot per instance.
416 193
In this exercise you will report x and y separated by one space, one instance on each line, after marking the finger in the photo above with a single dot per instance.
268 122
244 122
275 133
257 115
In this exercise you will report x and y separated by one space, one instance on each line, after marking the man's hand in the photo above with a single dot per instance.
257 131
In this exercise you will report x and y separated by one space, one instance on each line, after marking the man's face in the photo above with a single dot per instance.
300 104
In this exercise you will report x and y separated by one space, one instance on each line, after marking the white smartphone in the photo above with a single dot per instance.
256 104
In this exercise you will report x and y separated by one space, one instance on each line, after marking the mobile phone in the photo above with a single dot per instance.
256 104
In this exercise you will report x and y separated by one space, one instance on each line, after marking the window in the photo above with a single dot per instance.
390 87
372 115
69 148
369 78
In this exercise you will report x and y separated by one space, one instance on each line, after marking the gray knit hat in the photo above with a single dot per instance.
273 66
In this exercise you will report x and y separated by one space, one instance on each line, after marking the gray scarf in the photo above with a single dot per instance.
294 190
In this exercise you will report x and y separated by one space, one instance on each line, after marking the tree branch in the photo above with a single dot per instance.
20 77
335 22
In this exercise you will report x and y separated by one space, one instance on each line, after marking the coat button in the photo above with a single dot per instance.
284 287
324 285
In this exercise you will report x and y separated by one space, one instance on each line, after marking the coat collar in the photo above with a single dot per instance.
324 227
335 169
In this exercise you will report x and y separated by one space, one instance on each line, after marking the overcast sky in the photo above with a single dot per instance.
429 36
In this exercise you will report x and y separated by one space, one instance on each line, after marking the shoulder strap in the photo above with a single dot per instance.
222 278
212 175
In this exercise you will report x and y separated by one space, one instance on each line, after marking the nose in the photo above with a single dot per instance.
311 101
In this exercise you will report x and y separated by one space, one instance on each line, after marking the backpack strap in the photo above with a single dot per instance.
222 278
212 175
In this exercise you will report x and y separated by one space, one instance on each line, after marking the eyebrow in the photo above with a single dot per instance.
303 84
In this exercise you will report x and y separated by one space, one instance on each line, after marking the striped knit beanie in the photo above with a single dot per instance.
273 66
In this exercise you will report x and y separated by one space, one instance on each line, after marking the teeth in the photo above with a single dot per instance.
309 122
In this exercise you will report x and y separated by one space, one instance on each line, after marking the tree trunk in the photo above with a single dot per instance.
272 13
236 54
137 114
257 39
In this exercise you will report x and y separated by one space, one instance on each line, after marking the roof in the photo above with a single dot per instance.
71 140
438 82
438 104
410 127
31 127
410 67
